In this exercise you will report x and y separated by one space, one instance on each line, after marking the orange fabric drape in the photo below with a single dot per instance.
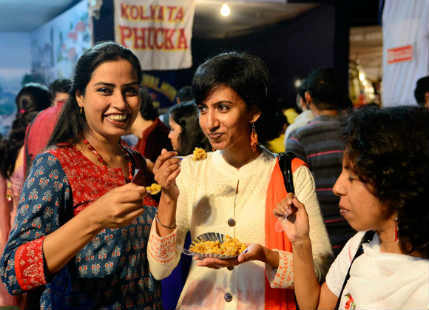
277 298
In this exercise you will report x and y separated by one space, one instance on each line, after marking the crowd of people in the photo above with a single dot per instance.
81 229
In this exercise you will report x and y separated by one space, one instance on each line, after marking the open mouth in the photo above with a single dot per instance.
118 118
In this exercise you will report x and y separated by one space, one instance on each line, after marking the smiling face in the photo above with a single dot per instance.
358 205
225 119
111 100
174 134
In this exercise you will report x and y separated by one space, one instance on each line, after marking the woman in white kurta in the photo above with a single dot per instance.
227 193
383 188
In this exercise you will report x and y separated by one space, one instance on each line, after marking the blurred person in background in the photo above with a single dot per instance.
185 132
152 134
319 143
184 94
40 129
421 92
31 99
305 116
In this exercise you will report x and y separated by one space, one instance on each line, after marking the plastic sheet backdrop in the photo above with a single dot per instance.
405 49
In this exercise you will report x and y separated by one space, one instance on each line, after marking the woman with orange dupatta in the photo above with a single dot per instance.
233 191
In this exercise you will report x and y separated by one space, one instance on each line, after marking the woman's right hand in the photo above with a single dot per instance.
118 207
166 169
294 218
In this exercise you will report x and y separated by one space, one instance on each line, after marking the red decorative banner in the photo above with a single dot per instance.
399 54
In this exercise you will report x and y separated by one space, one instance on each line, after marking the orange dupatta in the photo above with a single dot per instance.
277 298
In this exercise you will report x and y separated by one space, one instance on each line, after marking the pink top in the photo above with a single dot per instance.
10 191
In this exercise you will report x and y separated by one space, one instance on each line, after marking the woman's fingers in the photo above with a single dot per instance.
162 158
216 263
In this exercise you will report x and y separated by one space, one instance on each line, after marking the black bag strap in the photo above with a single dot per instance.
367 237
285 162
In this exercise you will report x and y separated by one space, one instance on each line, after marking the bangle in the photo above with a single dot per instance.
165 226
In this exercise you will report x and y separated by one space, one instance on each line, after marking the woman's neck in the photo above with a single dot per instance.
387 235
238 157
108 149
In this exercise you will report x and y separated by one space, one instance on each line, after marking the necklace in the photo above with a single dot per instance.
101 160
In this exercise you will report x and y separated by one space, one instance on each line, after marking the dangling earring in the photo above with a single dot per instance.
81 111
253 138
396 230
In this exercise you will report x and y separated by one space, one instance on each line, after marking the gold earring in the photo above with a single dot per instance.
81 111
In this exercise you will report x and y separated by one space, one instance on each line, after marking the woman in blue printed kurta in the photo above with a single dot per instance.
80 235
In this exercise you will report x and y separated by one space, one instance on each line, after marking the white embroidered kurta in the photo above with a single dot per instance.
216 197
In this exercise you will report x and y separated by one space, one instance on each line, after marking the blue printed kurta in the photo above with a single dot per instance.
110 272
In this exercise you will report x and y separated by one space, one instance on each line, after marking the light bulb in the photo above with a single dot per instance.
225 10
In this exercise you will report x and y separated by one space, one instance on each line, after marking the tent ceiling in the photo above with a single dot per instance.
27 15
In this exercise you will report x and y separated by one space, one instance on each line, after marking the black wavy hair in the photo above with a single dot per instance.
31 99
389 150
248 76
191 136
71 124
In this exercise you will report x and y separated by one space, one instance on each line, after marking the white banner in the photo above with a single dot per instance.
405 49
158 31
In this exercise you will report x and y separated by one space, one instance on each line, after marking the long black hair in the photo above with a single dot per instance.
72 124
31 99
248 76
389 150
186 116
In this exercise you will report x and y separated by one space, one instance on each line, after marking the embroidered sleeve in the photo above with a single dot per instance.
22 265
164 252
282 276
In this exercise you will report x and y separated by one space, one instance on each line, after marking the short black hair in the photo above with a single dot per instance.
322 84
248 76
185 93
60 86
422 87
389 150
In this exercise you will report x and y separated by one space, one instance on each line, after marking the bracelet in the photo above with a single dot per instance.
165 226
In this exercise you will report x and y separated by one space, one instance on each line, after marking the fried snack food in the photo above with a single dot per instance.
229 247
153 189
199 154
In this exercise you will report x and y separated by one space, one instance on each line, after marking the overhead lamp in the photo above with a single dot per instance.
225 10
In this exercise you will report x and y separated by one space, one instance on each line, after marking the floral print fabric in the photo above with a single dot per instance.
110 272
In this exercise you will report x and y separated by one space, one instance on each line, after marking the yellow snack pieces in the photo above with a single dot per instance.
229 247
153 189
199 154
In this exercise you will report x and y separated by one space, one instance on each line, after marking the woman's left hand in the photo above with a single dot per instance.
253 252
